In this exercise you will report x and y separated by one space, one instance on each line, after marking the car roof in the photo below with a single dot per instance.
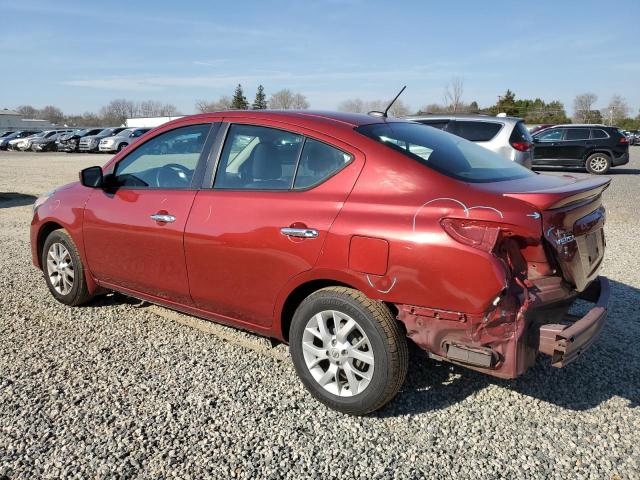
344 119
583 125
466 116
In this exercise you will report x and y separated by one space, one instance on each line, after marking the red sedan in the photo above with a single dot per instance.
343 235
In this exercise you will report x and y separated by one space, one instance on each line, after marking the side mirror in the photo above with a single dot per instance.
92 177
536 140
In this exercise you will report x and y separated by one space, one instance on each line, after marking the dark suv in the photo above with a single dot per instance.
595 147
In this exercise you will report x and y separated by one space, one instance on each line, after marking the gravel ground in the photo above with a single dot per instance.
123 389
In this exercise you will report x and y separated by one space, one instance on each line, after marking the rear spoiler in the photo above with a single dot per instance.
562 195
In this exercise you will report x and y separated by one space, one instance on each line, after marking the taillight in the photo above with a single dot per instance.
624 139
522 146
475 233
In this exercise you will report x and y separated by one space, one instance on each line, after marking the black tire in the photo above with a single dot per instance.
79 293
386 338
598 163
121 147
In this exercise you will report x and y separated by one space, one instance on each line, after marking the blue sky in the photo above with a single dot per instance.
80 55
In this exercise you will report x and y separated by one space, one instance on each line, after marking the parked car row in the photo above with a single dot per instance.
594 147
71 140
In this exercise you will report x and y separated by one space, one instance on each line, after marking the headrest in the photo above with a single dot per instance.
266 164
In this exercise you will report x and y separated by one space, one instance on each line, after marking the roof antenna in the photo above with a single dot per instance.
375 113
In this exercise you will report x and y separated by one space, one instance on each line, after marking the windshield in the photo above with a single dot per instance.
126 132
448 154
105 133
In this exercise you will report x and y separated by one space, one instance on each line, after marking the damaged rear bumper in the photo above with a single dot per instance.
565 342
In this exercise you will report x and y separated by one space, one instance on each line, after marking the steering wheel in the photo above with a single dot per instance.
173 175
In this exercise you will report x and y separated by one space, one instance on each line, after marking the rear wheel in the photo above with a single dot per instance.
348 350
63 269
598 163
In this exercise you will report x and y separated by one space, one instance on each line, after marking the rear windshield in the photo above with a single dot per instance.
448 154
475 131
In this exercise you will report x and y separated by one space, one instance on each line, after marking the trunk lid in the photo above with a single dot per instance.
573 217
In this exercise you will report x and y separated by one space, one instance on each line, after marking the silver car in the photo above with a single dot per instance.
121 140
91 143
507 136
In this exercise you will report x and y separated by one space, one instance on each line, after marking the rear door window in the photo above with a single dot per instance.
475 131
258 158
318 162
577 134
598 133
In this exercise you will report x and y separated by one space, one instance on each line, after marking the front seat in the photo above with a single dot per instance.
266 169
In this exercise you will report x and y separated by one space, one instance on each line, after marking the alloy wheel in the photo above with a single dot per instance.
338 353
598 164
60 268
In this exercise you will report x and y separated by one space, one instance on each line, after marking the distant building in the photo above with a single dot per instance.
141 122
11 119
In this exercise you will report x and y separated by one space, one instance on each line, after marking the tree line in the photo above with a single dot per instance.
537 111
533 111
114 113
283 99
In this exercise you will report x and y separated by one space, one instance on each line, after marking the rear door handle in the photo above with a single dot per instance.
165 218
299 232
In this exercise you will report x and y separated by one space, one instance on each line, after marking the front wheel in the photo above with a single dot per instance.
598 163
348 350
63 269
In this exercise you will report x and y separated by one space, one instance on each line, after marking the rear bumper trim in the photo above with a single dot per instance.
565 343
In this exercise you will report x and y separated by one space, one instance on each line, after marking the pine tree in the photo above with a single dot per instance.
260 103
239 101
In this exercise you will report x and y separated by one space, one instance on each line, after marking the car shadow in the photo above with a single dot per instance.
113 299
610 368
14 199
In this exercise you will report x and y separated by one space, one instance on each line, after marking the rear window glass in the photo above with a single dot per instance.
448 154
597 133
520 134
577 134
475 131
318 162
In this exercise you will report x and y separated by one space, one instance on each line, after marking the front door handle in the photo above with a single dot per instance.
164 218
299 232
